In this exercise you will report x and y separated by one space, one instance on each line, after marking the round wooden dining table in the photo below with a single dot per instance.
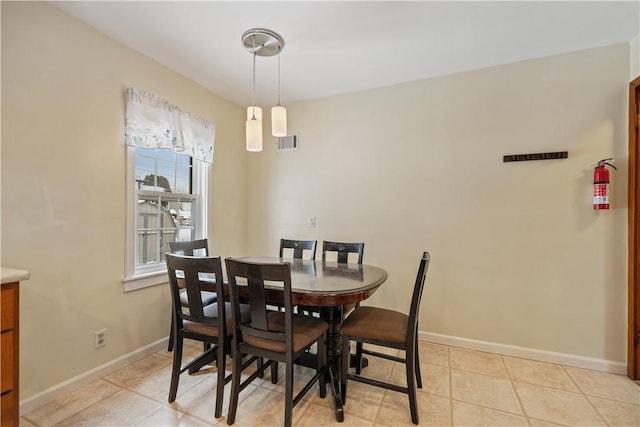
328 285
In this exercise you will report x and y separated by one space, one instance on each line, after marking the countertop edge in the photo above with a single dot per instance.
10 275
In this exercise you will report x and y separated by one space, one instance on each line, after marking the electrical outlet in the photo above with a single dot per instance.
100 338
312 221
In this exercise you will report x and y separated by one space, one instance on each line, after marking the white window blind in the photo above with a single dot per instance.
151 122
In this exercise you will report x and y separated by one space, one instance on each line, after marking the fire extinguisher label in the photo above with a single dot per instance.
600 194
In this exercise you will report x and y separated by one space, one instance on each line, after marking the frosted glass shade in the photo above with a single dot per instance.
254 110
254 135
278 121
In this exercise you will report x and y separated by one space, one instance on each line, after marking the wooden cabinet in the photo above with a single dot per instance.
9 379
9 347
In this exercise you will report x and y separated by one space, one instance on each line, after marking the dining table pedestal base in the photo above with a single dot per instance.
333 316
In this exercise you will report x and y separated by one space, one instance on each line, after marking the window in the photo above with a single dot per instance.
168 156
167 203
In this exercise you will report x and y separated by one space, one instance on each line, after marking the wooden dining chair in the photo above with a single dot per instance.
298 247
295 249
198 247
274 335
211 324
391 329
342 251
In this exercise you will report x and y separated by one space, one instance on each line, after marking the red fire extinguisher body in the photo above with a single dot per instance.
601 187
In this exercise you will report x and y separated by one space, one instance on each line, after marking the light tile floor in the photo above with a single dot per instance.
461 388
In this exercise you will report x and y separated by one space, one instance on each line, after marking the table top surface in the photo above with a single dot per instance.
319 279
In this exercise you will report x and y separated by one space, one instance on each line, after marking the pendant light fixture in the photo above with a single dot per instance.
263 42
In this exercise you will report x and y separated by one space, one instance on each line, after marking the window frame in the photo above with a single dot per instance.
151 275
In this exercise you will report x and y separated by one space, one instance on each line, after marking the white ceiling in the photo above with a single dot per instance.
338 47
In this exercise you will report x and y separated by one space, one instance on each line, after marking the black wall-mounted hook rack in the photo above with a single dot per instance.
536 156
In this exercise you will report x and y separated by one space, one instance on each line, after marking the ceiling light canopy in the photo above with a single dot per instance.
263 42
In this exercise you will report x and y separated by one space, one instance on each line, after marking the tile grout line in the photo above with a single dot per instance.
585 396
384 394
134 392
25 416
163 404
521 414
515 392
450 385
501 411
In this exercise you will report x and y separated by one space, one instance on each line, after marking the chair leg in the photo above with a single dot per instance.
170 345
418 374
260 363
235 387
344 367
322 365
175 372
411 384
222 346
358 358
288 394
274 372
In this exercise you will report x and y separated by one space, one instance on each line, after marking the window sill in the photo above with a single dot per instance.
145 280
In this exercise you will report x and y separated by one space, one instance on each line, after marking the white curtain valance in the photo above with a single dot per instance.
151 122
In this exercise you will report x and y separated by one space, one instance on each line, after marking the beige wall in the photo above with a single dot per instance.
519 256
634 55
63 189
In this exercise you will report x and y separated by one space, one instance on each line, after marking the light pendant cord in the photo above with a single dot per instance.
279 75
253 110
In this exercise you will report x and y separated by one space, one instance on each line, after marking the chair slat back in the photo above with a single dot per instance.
343 250
417 295
254 275
185 272
299 246
189 248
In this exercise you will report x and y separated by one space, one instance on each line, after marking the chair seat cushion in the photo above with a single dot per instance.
207 298
376 324
306 330
211 311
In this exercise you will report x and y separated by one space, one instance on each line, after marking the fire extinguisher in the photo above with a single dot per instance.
601 184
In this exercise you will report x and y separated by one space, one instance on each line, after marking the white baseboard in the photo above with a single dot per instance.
527 353
72 384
